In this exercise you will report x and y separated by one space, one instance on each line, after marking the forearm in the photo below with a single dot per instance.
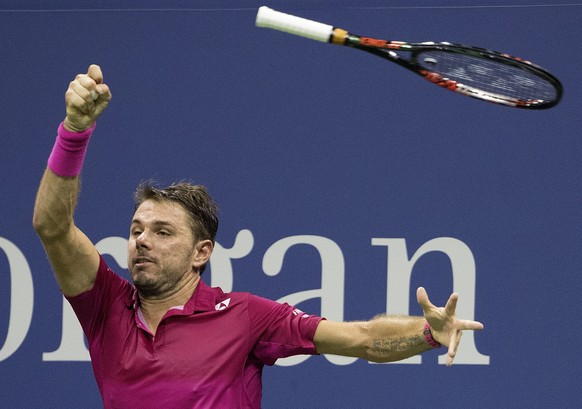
393 338
55 205
57 195
382 339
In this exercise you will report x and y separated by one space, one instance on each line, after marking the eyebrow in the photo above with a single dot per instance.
157 223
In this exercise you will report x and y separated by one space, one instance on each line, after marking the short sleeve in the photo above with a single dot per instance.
93 306
281 330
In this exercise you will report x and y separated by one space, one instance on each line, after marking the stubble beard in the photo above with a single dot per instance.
156 286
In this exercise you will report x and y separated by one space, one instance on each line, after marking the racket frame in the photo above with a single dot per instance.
389 50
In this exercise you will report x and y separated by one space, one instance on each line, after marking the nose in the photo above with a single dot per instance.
142 241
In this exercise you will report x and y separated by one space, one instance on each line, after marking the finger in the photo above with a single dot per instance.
453 345
103 92
451 305
422 299
470 325
94 72
85 87
86 82
76 102
78 90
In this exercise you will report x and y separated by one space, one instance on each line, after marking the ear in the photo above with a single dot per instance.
202 252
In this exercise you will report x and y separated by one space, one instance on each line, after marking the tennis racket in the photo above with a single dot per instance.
471 71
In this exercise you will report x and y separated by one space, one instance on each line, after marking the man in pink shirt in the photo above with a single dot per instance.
168 340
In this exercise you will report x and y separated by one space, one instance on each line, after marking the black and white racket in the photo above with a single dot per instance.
471 71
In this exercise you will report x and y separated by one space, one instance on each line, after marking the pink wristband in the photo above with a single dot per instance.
68 154
428 337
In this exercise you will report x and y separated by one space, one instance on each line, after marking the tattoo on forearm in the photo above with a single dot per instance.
385 346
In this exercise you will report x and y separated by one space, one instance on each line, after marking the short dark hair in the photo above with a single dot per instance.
202 210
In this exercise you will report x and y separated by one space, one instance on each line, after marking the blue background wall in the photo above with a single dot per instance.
295 137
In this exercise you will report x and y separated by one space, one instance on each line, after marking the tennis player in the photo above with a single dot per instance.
168 340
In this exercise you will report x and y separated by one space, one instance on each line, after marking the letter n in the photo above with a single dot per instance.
399 272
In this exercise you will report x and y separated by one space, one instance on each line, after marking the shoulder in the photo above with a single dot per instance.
108 284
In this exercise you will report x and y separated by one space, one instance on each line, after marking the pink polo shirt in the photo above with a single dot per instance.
208 354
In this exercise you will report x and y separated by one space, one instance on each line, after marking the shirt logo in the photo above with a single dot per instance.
300 313
222 305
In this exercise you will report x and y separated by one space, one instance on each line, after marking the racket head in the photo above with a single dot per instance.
471 71
480 73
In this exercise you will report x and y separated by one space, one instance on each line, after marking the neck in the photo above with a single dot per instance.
154 309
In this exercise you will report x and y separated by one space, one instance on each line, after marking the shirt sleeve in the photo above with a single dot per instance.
94 305
281 330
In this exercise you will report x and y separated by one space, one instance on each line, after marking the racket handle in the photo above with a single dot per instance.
287 23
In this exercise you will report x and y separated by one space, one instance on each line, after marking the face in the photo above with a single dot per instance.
162 255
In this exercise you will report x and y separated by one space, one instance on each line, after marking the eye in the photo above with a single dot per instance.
164 233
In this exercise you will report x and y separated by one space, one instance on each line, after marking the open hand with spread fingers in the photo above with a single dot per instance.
446 328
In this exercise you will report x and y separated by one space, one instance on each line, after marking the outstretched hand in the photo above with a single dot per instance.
86 98
446 328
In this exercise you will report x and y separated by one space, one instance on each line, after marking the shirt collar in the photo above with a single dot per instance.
203 299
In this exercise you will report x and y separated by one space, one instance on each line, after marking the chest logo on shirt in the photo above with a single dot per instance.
222 305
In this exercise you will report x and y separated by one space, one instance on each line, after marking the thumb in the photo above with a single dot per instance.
95 73
422 299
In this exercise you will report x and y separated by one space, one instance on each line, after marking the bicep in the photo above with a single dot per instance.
74 260
341 338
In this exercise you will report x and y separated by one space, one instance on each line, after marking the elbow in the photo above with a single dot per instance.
39 223
46 227
40 227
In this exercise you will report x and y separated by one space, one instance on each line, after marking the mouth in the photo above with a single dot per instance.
141 261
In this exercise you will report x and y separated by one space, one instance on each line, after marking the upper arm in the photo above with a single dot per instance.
73 256
74 260
341 338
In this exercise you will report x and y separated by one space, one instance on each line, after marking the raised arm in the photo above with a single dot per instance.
393 338
72 255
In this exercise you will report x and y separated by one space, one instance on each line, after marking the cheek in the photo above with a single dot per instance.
182 253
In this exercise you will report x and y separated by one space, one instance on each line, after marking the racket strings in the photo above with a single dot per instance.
488 75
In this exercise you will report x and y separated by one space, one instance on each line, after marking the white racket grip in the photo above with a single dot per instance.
287 23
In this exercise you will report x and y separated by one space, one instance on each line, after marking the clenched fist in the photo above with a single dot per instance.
86 98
